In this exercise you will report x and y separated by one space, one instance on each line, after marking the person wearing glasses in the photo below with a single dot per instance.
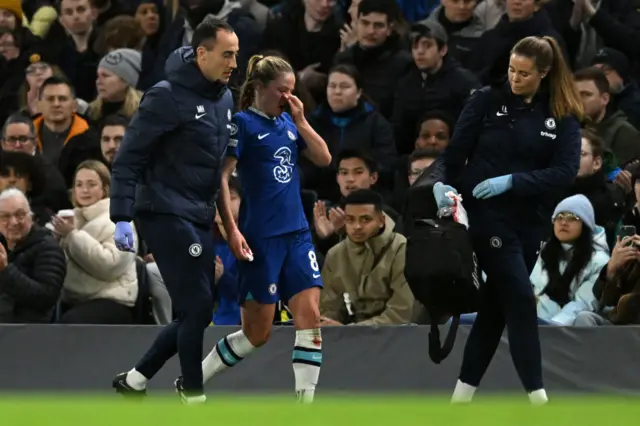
19 136
32 264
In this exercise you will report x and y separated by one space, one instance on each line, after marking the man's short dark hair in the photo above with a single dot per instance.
384 7
19 118
596 75
25 165
207 31
443 116
347 154
364 197
421 154
114 120
57 81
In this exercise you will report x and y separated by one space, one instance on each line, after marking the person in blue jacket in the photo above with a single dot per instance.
512 150
227 288
167 175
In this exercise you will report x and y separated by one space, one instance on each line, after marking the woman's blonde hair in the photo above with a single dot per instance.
548 57
131 103
263 69
103 174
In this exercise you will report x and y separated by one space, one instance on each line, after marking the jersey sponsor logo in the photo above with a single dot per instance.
262 136
550 123
291 135
233 129
283 172
195 250
547 134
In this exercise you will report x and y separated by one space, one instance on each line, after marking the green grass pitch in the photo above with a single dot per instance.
342 410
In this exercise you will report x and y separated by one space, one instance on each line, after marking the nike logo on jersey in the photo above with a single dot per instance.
260 137
503 111
316 276
500 114
199 116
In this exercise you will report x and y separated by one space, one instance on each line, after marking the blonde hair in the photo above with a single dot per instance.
548 57
103 174
263 69
131 103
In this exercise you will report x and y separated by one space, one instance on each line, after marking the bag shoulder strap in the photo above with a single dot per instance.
437 351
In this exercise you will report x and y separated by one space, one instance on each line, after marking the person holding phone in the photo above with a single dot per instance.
514 148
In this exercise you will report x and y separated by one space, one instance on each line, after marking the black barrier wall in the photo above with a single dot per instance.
380 359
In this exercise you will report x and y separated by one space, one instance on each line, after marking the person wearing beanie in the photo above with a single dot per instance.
625 91
118 73
16 16
569 263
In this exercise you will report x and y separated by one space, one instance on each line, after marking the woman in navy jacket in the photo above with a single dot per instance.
512 150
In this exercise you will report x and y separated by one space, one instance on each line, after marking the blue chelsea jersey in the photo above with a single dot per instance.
267 150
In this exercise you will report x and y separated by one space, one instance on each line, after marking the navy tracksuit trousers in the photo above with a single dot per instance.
507 256
185 256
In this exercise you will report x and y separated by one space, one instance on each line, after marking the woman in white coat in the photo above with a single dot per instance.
101 285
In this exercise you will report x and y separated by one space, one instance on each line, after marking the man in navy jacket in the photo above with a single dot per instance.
166 174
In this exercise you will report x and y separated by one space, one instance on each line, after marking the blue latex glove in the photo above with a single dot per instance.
124 236
440 191
492 187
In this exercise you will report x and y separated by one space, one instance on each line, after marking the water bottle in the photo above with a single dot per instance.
445 212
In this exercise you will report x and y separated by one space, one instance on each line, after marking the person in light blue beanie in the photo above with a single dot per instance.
569 264
580 206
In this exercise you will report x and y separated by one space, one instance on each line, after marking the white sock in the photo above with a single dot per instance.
226 353
136 380
538 397
307 359
463 393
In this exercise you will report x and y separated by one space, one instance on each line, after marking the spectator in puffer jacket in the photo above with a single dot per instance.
569 263
101 285
32 265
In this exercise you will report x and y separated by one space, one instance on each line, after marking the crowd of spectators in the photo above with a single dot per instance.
382 81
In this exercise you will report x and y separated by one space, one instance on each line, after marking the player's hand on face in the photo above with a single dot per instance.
239 247
323 225
296 106
337 216
219 268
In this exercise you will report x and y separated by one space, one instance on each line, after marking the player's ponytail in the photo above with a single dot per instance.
549 59
565 99
263 69
247 91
